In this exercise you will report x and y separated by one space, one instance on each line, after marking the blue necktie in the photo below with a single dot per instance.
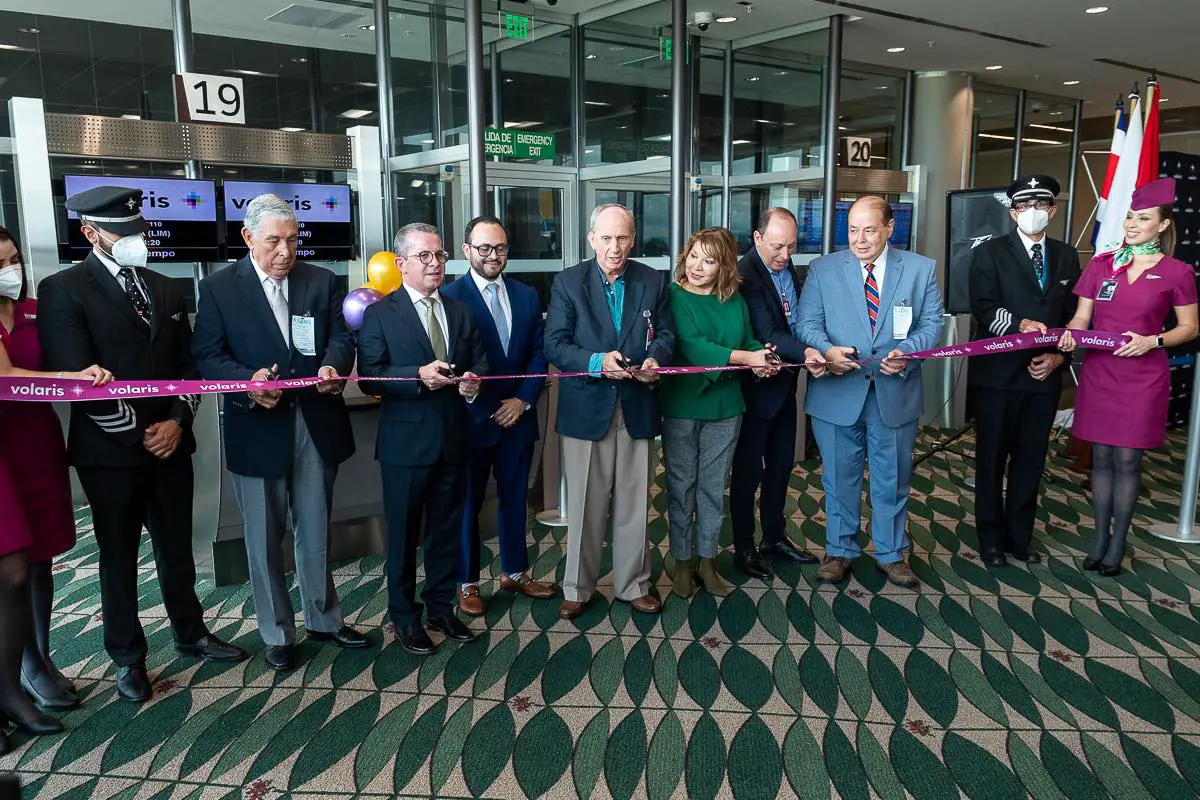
498 315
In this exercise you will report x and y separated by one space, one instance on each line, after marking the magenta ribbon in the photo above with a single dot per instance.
42 390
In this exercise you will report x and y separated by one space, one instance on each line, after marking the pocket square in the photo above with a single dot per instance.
177 316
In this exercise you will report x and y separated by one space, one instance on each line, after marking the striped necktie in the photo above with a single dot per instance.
872 292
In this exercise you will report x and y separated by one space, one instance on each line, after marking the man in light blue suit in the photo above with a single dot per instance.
864 308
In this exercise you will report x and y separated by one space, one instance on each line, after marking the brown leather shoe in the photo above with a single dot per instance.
900 574
469 601
833 569
646 604
527 586
570 609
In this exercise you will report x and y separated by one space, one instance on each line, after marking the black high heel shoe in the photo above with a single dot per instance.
36 724
1109 570
1091 564
47 693
5 747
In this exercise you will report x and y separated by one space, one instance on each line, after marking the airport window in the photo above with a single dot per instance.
535 91
995 137
872 105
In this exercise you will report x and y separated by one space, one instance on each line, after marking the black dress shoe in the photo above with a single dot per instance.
34 723
1091 564
133 684
751 563
1028 557
210 648
344 636
280 657
451 627
1109 570
415 640
47 693
784 550
993 558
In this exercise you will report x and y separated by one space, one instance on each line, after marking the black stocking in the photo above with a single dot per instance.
36 663
1127 483
14 628
1102 498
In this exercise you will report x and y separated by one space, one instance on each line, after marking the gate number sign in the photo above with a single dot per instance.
858 151
209 98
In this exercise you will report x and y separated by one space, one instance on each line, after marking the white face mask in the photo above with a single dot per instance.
11 281
1033 221
128 251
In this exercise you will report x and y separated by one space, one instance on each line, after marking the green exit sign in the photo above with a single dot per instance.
665 50
516 26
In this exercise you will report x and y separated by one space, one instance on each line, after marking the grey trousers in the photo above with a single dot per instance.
611 474
698 456
308 492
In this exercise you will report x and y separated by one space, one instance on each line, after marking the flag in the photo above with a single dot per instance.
1120 123
1148 165
1120 193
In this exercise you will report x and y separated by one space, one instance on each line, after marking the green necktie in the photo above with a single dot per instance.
436 337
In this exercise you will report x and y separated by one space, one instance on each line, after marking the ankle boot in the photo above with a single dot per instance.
713 583
41 604
684 579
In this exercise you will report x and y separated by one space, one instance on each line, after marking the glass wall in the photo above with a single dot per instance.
1046 147
995 136
535 89
872 105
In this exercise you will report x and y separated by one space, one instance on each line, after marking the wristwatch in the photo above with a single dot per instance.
1158 342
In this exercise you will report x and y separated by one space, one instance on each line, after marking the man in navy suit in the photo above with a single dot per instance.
864 308
427 345
504 425
269 315
608 317
766 446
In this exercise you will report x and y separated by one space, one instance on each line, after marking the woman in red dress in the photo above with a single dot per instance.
1123 396
36 518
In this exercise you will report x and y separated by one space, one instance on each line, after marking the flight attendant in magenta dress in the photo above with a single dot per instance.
36 518
1121 406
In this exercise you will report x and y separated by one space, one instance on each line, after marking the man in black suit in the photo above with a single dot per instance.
133 455
429 341
609 317
1021 282
283 449
766 447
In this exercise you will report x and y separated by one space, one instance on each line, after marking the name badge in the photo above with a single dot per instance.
1107 290
787 306
901 320
304 336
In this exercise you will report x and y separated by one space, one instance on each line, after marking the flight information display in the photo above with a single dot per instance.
182 215
326 231
809 221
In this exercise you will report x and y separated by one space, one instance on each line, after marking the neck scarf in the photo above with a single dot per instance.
1124 256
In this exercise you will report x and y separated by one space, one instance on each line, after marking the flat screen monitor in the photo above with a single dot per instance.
326 231
182 215
973 216
809 221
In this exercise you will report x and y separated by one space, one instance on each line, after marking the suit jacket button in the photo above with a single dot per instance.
293 372
867 377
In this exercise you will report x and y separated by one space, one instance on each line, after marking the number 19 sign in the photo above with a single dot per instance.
209 98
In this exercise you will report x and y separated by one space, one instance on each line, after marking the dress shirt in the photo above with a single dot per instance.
614 295
439 308
114 269
785 286
482 283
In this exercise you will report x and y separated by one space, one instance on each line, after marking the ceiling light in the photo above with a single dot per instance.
753 78
416 183
1042 141
994 67
764 122
522 124
588 152
615 49
366 84
356 113
366 27
842 128
780 73
648 158
16 47
1051 128
130 116
1056 113
595 103
1164 99
428 141
726 19
253 73
622 127
666 137
1070 83
1095 10
997 136
508 80
291 130
300 60
853 19
881 88
29 30
895 49
590 56
741 141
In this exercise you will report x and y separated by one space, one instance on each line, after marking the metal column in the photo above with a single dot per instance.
727 135
476 163
833 93
680 123
1073 171
1020 137
181 34
906 119
383 76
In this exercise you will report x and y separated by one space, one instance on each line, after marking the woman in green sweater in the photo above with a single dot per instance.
702 412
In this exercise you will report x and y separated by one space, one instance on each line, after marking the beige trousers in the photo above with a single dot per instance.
612 474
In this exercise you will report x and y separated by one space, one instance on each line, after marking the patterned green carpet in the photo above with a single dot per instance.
1046 681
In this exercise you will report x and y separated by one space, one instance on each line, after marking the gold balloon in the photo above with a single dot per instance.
382 273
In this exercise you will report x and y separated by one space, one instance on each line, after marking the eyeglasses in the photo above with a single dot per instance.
486 250
426 257
1025 205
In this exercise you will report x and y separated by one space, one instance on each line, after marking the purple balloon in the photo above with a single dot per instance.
355 305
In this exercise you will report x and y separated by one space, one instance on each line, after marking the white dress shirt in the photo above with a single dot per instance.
114 268
880 269
482 284
262 282
439 308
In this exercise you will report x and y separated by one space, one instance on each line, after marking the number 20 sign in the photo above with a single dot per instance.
209 98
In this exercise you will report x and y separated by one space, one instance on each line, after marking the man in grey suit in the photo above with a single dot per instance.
864 308
608 317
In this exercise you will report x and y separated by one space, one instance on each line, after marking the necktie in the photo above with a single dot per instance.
141 306
1039 264
872 292
436 337
279 307
498 315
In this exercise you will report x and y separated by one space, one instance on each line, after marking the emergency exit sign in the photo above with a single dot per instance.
516 26
666 51
518 144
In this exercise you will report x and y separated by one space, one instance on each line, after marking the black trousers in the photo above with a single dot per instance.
435 492
123 500
764 456
1012 435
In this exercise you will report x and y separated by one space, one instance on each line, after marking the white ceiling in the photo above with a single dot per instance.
1074 39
